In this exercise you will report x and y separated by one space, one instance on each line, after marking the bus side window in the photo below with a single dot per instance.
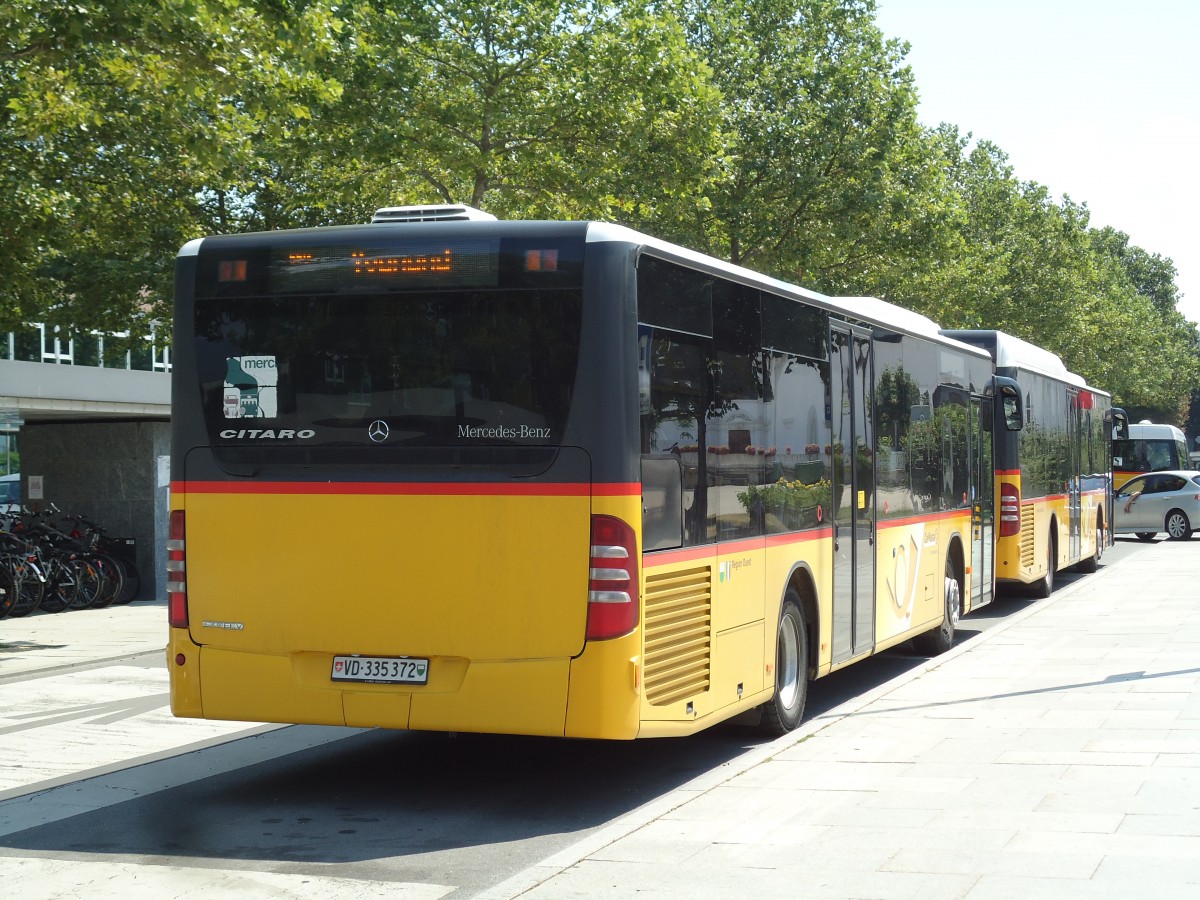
662 502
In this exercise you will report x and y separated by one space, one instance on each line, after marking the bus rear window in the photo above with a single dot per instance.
1146 455
352 374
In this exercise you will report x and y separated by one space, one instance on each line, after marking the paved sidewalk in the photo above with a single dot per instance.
45 641
1055 756
83 694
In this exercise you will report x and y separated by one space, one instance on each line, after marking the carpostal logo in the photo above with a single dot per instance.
726 569
266 434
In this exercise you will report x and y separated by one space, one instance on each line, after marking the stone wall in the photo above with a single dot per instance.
113 472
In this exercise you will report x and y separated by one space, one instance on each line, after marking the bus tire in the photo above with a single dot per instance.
941 639
783 712
1044 587
1177 526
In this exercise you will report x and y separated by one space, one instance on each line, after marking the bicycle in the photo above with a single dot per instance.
71 577
124 581
24 570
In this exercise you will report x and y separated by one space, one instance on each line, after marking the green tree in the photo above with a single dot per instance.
1152 363
525 108
1150 274
114 116
1025 263
823 176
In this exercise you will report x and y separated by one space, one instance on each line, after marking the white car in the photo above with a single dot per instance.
1159 501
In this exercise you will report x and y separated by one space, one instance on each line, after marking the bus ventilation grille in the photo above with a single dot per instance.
390 214
678 634
1027 537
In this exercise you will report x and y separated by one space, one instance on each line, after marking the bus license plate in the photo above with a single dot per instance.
380 669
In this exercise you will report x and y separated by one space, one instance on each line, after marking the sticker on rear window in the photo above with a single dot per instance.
250 387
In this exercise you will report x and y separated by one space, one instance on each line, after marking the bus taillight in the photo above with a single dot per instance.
612 580
177 609
1010 510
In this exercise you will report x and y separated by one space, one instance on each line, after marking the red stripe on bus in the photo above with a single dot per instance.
922 518
712 551
1048 498
813 534
384 488
632 489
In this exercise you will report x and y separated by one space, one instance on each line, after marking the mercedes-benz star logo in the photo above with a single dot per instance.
378 432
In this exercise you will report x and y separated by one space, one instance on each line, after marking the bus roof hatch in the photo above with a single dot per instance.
458 213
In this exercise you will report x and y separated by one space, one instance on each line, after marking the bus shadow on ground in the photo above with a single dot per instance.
407 798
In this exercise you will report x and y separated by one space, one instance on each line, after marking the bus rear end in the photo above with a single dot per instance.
1148 447
389 506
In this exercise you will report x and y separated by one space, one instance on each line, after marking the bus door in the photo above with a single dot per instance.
983 504
1075 472
851 416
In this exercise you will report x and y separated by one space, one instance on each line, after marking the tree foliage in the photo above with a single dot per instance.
821 174
113 118
779 134
1028 264
538 107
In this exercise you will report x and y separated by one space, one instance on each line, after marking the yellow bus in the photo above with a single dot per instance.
443 472
1054 487
1148 447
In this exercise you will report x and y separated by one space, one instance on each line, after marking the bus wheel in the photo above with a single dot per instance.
1044 588
783 712
1178 526
941 639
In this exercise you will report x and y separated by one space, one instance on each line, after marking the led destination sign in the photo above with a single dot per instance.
305 269
366 265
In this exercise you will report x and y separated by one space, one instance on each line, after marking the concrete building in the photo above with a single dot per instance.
93 431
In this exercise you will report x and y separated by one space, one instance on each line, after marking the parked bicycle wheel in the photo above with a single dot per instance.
61 586
133 583
30 586
114 579
54 599
8 591
90 584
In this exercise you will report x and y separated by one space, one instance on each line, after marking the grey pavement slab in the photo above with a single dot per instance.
44 641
